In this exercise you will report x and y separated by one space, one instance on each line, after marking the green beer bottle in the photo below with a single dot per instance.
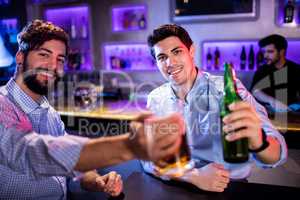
235 151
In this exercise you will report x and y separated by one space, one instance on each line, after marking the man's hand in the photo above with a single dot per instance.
110 183
212 177
156 138
243 122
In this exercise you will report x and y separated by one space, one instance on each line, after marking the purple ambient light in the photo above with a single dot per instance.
128 57
129 18
280 5
75 21
11 21
60 15
230 51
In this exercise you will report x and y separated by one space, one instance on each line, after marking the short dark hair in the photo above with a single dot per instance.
37 32
279 41
166 31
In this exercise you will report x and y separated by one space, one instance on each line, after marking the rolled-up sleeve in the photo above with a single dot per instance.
267 126
39 155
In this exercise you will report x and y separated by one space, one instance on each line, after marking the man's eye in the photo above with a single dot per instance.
62 61
161 58
177 51
44 55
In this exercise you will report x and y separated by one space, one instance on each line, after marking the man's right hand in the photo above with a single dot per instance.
154 138
212 177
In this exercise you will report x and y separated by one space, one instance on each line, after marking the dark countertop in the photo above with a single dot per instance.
142 186
282 181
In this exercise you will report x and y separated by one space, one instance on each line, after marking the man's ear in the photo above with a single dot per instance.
282 52
192 51
20 58
20 63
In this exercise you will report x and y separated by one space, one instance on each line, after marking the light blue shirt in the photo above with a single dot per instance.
34 159
201 111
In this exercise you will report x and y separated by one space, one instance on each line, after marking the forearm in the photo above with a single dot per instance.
103 152
274 103
271 154
39 155
261 96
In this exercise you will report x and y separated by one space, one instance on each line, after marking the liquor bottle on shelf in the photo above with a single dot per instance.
298 13
74 59
126 59
259 58
133 21
217 58
73 29
289 12
235 151
243 58
83 58
115 61
208 60
12 32
125 20
84 29
140 59
142 22
251 58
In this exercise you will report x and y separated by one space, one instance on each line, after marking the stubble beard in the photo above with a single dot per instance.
31 81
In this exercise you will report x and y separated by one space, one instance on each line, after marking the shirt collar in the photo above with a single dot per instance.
26 103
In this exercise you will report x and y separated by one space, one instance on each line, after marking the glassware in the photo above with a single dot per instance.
85 96
235 151
177 164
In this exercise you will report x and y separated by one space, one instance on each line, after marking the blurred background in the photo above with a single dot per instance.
111 35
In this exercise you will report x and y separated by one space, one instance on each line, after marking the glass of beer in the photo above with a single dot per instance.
176 165
85 96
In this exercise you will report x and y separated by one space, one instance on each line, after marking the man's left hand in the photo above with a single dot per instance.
243 122
110 183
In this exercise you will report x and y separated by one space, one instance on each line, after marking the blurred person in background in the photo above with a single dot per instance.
274 84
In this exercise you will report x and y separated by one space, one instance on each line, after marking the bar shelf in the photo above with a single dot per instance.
129 18
128 56
75 21
287 13
231 51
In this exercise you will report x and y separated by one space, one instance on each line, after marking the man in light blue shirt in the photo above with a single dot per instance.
197 95
36 155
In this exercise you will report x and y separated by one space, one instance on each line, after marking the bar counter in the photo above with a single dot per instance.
125 110
113 110
138 185
141 186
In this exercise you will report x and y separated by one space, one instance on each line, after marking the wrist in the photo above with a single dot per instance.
128 151
88 181
190 176
264 144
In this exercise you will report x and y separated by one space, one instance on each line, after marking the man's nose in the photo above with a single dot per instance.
171 61
53 64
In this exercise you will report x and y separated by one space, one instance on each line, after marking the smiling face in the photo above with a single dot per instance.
42 66
175 60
